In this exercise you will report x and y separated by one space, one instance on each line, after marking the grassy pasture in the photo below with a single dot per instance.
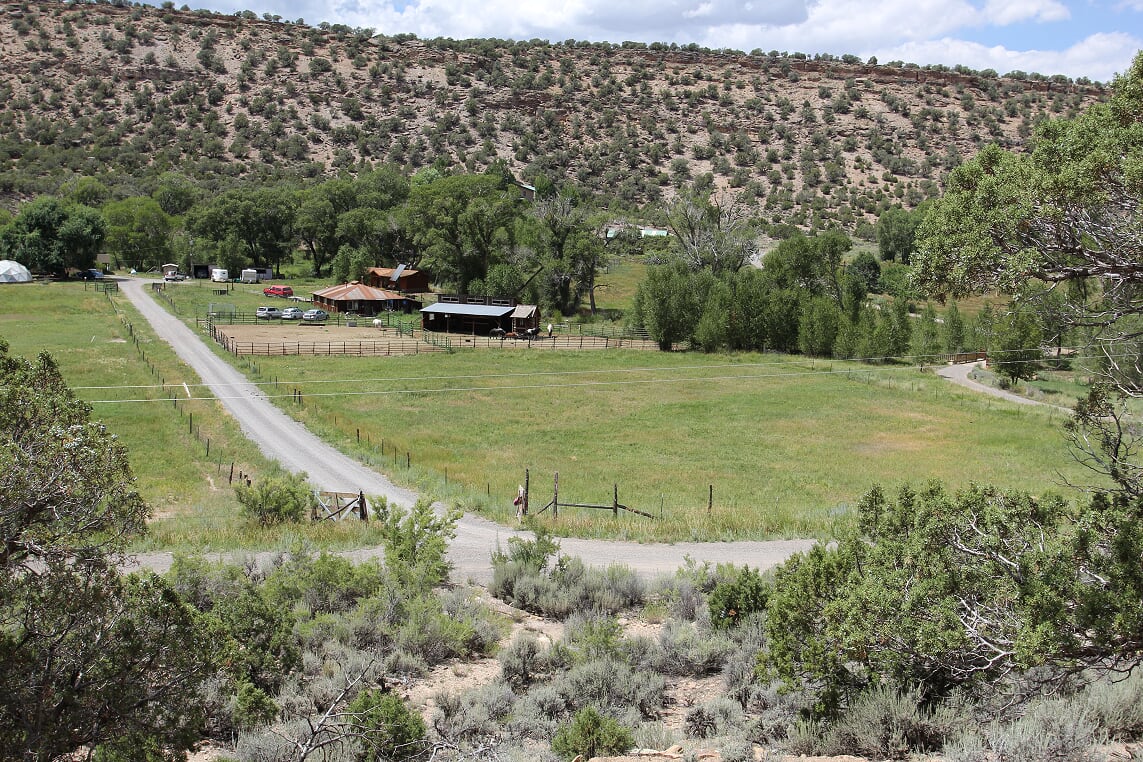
787 443
87 334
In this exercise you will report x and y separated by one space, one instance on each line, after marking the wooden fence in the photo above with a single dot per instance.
382 348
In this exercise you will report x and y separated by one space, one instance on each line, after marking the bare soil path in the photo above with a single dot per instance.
297 449
960 375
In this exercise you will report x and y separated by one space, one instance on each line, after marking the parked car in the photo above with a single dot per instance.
268 313
291 313
314 316
92 274
174 276
282 291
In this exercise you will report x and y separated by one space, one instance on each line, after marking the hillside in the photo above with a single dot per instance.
127 93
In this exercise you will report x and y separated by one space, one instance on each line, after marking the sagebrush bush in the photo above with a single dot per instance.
689 650
539 713
736 750
478 715
523 660
593 636
430 633
885 723
1054 729
1116 706
612 686
567 587
655 735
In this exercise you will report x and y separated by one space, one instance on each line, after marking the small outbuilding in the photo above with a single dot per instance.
13 272
358 299
400 278
479 315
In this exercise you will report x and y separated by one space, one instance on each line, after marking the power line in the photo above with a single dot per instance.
909 360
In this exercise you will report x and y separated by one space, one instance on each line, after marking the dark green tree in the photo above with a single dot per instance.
896 231
52 235
1018 353
87 656
258 223
385 728
138 233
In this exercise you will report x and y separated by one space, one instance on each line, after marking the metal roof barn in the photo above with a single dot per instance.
477 319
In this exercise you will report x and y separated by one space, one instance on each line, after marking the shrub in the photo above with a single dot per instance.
591 734
688 651
387 728
277 499
884 723
613 686
1116 707
522 661
717 717
1052 730
253 707
731 600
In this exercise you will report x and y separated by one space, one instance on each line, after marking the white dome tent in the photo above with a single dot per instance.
13 272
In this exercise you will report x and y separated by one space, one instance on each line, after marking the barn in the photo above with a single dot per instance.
358 299
478 315
401 278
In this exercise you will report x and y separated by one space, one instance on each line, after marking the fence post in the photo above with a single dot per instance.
556 497
710 501
527 487
615 501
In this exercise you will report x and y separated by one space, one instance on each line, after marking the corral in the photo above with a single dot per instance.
287 338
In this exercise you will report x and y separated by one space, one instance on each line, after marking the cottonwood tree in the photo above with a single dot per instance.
88 657
53 235
713 232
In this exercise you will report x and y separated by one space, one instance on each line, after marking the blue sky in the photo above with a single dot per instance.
1079 38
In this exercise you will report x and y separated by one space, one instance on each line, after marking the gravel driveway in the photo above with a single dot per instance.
287 441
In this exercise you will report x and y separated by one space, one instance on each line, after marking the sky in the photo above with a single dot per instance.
1096 39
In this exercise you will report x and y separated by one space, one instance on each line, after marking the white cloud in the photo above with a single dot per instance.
1004 12
921 31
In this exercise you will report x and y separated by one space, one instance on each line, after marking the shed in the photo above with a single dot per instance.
359 299
400 278
525 316
478 319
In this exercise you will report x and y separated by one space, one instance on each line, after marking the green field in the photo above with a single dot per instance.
100 342
788 444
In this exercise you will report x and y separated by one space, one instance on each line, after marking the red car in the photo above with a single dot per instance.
282 291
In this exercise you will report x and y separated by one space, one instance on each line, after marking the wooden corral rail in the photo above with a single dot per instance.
328 348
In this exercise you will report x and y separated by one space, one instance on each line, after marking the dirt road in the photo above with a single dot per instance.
287 441
959 374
